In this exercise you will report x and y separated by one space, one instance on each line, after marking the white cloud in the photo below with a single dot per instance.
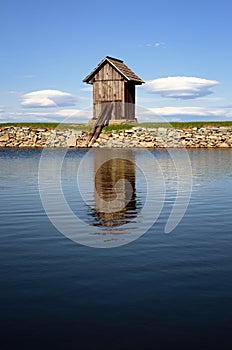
156 44
89 88
48 98
73 113
181 87
143 115
60 116
187 111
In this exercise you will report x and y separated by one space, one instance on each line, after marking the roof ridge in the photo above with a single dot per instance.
113 58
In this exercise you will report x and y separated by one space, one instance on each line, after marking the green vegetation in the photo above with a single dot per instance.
48 126
176 125
186 125
119 127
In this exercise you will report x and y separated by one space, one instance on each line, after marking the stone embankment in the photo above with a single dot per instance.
208 137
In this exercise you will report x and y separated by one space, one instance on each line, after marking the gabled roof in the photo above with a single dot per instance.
120 67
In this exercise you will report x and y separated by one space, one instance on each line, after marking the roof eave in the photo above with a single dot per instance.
89 76
124 75
137 82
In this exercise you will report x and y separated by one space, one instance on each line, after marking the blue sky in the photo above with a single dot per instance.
182 49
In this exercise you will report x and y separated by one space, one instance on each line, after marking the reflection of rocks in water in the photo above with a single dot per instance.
115 199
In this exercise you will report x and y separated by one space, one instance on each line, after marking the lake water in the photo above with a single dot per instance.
143 291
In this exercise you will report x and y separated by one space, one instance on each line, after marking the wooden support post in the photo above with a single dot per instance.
99 124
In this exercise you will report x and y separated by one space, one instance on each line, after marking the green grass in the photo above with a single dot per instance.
176 125
186 125
48 126
119 127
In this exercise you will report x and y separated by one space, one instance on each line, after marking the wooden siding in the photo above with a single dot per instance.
129 99
108 87
108 91
118 110
107 72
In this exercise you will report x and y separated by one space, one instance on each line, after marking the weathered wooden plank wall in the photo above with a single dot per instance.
129 100
109 86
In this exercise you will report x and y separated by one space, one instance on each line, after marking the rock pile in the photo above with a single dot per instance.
207 137
27 137
167 138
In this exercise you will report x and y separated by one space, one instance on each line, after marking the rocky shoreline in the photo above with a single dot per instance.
137 137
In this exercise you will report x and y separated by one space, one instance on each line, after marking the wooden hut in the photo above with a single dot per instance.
113 86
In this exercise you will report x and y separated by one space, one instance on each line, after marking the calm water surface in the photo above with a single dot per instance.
160 291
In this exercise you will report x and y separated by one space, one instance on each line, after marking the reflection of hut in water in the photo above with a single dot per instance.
115 199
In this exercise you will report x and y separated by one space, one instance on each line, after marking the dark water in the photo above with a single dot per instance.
160 291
